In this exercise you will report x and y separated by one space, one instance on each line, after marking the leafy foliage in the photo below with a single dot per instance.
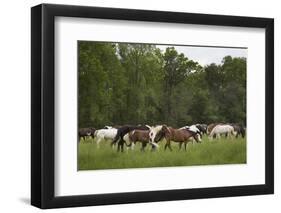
138 84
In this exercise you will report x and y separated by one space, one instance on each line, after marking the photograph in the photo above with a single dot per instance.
160 105
133 105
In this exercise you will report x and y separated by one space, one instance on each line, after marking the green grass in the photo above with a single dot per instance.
223 151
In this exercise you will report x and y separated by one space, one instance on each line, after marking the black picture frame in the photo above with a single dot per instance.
43 102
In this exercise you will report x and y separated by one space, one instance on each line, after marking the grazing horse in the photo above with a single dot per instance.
122 131
105 134
84 132
141 136
202 128
170 134
210 127
222 129
239 129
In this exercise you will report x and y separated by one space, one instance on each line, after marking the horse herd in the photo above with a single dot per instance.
129 135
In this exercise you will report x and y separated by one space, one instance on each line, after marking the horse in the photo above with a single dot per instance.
222 129
170 134
110 127
210 127
239 129
121 132
105 134
84 132
194 129
202 128
141 136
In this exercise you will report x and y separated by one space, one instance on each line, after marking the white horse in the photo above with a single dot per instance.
105 134
222 129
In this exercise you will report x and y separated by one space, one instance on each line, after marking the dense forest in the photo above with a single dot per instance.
123 83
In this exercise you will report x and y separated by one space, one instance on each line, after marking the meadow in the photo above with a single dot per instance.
215 152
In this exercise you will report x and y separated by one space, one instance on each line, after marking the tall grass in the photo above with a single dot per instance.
223 151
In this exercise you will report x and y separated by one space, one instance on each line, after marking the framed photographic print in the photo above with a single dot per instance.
141 106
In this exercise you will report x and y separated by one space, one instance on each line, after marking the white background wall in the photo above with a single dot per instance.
15 105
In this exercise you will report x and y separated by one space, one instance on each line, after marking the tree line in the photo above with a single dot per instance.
122 83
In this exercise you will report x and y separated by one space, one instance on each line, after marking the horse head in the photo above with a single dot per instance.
154 135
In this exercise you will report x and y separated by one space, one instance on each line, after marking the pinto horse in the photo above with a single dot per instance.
180 136
141 136
122 131
202 128
193 128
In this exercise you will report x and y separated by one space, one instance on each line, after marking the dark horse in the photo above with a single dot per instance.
202 128
239 129
83 132
123 131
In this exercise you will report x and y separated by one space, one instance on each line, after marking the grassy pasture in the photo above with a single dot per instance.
223 151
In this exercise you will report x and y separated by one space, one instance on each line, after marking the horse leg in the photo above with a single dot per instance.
185 145
232 134
98 143
165 147
143 146
169 146
118 144
218 136
142 149
133 146
121 145
180 144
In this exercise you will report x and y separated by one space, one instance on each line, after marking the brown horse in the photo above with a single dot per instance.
180 136
211 127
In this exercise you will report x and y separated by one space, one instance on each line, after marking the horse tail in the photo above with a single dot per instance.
116 138
127 140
